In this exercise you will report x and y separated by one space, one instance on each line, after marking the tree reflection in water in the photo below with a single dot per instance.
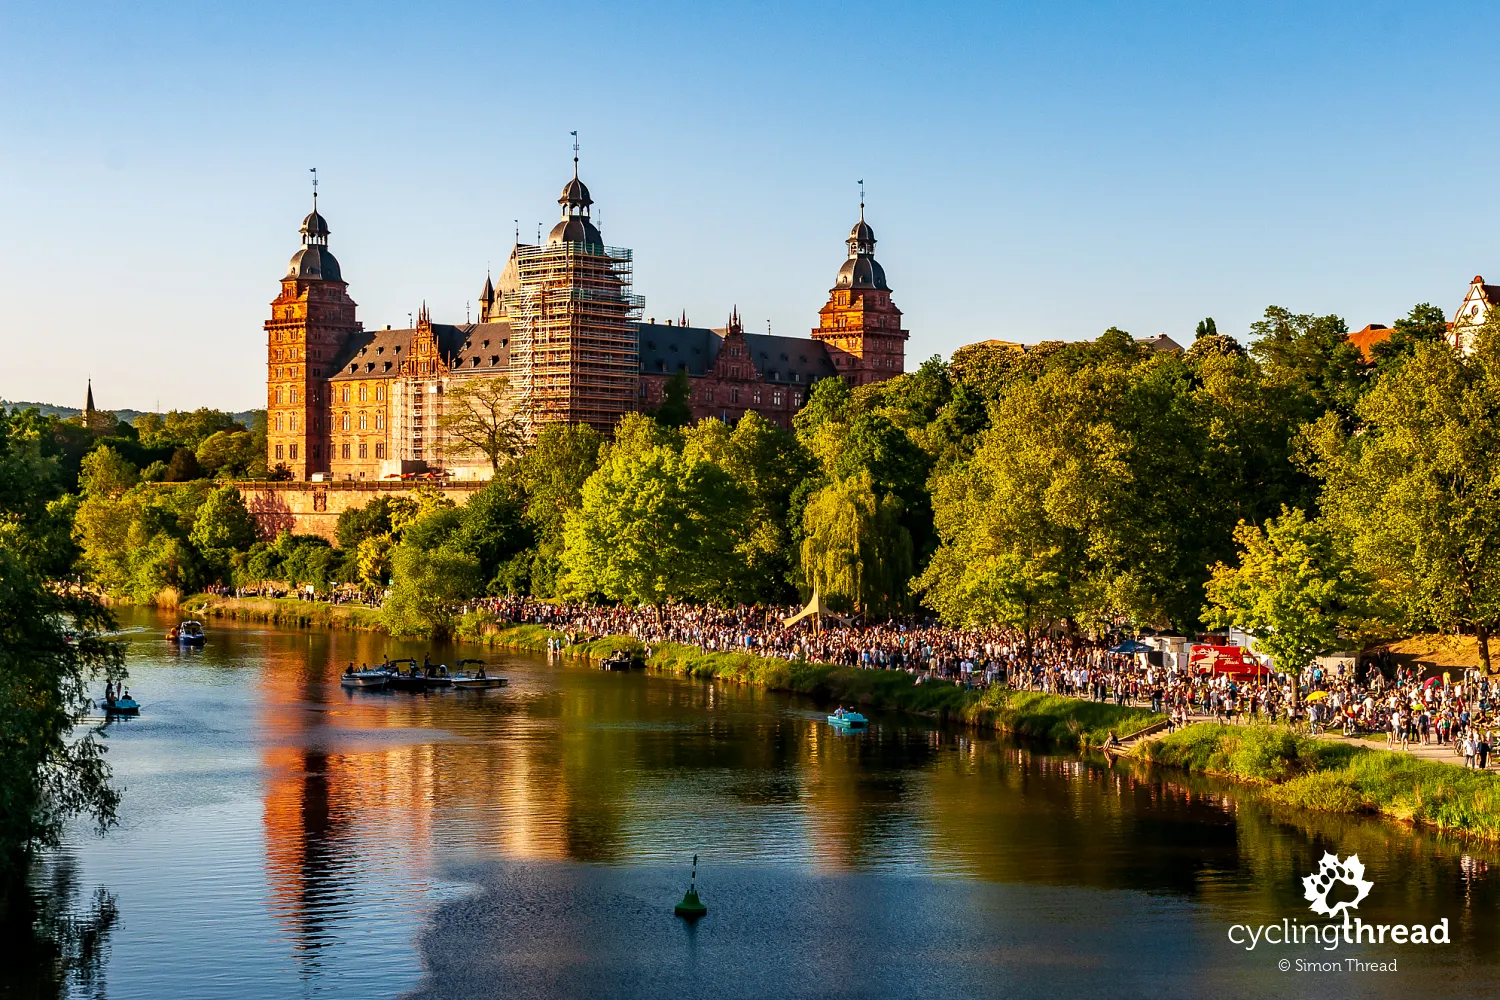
55 945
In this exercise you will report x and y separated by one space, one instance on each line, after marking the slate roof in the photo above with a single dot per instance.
474 347
664 349
779 358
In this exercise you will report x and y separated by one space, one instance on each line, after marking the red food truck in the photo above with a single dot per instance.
1236 661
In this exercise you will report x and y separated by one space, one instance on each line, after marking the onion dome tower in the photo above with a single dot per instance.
860 325
311 320
576 226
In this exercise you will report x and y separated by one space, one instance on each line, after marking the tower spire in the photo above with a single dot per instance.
314 172
861 200
575 154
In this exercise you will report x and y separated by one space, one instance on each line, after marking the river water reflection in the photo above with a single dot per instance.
281 837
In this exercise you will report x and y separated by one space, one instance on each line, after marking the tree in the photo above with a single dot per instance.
183 467
855 551
1206 328
1425 324
183 429
1296 589
1416 491
553 473
230 454
104 473
223 528
47 773
428 585
657 526
676 404
1311 357
479 417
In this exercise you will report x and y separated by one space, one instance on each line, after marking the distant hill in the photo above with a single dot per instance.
48 410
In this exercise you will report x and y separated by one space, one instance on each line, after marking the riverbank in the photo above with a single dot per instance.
285 611
1316 774
1327 775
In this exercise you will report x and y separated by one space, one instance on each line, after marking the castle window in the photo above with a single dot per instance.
380 451
364 451
776 398
278 419
757 397
344 397
364 393
380 389
796 399
364 420
294 395
278 395
312 452
734 395
346 425
794 377
292 421
344 451
292 452
709 394
278 452
380 421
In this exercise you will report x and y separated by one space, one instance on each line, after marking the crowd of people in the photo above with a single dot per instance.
1374 696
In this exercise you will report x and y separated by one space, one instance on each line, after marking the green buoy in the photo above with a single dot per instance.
691 907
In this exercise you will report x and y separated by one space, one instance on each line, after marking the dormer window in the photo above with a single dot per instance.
494 360
486 343
380 350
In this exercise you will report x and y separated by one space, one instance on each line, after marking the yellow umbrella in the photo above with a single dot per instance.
1317 696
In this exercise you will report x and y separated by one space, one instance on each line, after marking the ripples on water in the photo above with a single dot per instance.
283 838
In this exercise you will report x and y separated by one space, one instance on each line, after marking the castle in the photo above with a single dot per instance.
563 329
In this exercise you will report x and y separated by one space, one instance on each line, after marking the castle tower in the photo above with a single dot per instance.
860 324
309 321
575 354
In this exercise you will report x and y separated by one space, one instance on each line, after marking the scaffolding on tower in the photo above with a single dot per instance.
575 356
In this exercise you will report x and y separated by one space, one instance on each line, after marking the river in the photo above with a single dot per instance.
280 837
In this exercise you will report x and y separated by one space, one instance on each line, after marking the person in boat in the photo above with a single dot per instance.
109 693
480 674
349 669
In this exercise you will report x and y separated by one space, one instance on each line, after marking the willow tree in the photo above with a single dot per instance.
855 550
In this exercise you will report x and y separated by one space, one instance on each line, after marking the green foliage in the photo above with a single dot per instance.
222 528
47 773
676 404
1310 358
657 525
855 551
1296 589
1416 490
1206 328
231 455
1337 777
183 429
553 472
183 468
429 585
478 418
1425 324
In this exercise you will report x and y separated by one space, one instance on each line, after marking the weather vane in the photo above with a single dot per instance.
314 171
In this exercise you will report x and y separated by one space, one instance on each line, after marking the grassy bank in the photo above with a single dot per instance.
1329 776
283 611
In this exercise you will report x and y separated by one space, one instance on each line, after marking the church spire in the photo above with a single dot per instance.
88 404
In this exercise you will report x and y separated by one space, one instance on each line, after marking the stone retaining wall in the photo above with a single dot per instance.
314 508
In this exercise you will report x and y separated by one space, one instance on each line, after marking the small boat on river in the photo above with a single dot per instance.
846 718
617 661
480 680
123 705
365 680
188 633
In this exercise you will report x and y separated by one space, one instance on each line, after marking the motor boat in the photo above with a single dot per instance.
365 680
188 633
480 680
618 661
847 719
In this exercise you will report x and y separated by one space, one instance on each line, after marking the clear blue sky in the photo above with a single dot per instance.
1034 171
